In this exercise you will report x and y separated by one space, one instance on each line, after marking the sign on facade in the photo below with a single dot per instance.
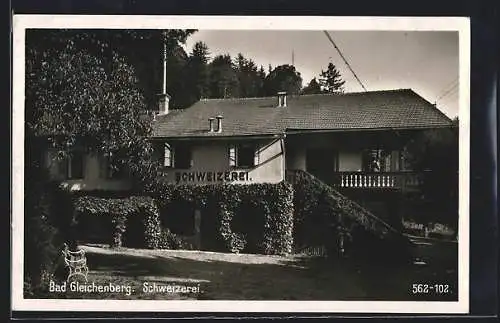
213 177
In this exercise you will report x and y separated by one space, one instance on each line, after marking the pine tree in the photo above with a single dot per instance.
261 76
331 80
223 78
249 78
198 71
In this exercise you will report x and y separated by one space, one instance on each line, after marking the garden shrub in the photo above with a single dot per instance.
169 240
43 241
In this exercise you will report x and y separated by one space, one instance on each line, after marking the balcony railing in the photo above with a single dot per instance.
376 180
369 180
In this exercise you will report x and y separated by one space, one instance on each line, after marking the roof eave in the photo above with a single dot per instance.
217 137
299 131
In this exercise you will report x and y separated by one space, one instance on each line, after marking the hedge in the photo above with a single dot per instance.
117 213
325 217
255 218
43 206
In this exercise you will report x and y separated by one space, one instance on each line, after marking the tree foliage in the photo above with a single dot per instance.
198 71
140 48
88 89
312 88
223 78
331 80
283 78
435 153
250 79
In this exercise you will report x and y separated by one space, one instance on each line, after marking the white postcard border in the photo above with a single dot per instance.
23 22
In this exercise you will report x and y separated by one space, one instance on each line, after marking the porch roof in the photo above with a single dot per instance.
391 109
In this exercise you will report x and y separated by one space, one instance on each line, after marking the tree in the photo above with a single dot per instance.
142 49
178 79
261 75
283 78
312 88
435 153
223 78
198 71
249 78
331 80
89 90
82 92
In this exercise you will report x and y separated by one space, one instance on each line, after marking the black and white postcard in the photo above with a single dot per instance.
241 164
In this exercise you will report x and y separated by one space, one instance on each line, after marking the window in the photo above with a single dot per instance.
75 165
182 157
166 157
243 155
175 156
378 160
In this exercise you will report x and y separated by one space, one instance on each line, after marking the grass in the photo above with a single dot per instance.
222 276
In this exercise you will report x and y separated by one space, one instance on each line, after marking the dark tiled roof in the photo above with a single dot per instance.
397 109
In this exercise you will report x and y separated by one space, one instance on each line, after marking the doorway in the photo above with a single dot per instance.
322 163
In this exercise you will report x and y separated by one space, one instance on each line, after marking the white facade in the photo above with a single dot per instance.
211 163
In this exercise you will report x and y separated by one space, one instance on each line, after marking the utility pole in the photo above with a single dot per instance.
164 40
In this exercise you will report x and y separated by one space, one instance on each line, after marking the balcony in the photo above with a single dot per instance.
403 180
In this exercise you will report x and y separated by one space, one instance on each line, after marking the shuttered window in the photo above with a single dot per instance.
256 157
243 155
232 156
167 155
178 156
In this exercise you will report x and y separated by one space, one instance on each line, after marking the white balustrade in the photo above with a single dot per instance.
361 180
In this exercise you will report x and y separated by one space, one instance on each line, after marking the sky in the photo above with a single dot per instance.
425 61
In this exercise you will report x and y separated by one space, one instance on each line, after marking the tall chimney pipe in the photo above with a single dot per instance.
164 39
219 123
163 97
211 123
282 99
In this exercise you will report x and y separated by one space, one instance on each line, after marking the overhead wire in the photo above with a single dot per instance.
345 60
448 92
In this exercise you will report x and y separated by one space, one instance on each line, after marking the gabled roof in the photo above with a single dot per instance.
393 109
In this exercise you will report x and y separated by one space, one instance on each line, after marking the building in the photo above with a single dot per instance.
351 140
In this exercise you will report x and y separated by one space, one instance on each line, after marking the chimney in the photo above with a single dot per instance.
211 123
163 103
219 123
282 99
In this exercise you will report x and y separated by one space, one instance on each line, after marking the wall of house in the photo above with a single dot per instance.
350 161
296 158
210 165
92 179
349 147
